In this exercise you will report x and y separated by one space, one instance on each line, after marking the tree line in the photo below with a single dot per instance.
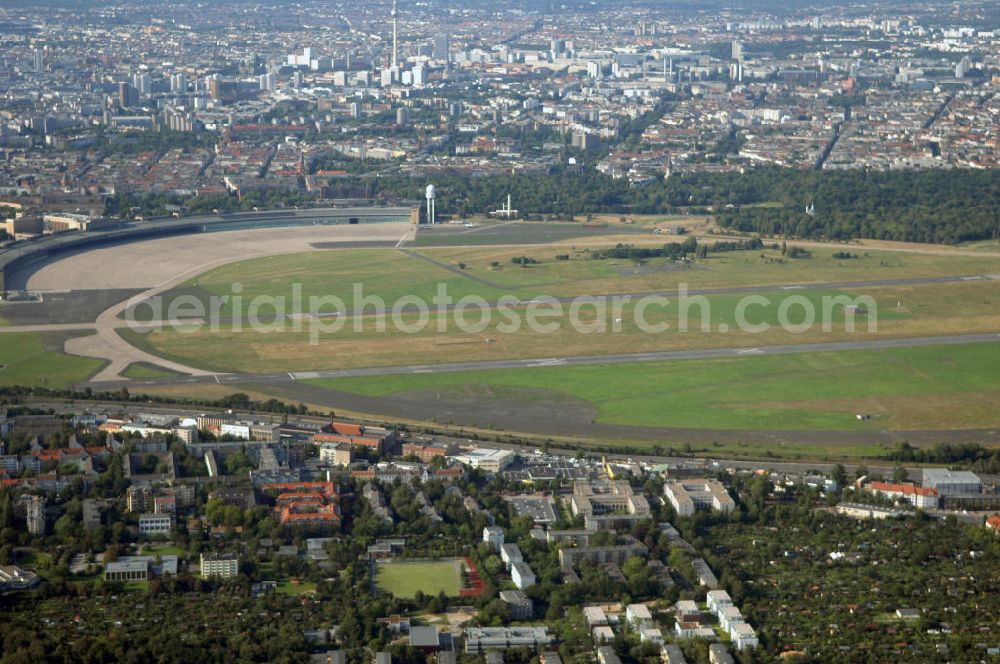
967 455
936 206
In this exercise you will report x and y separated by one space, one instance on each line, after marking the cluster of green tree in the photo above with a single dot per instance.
672 251
153 141
731 143
236 401
524 260
155 627
966 455
563 191
752 244
790 588
943 206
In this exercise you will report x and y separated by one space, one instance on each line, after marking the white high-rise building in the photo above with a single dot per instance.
178 83
221 565
963 67
143 83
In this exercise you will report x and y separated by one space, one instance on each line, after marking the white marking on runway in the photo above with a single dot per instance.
305 375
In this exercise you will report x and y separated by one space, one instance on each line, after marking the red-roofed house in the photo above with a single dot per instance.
357 436
924 498
993 523
306 503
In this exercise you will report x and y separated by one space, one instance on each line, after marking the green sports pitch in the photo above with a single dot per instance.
431 577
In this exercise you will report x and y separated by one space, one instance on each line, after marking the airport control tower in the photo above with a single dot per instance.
430 203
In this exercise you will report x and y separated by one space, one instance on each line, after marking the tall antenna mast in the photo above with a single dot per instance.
395 40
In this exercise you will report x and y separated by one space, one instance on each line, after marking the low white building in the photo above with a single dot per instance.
671 654
743 636
686 609
156 524
717 654
602 634
335 454
688 495
718 599
638 615
510 553
729 616
595 616
493 535
481 639
651 635
487 460
522 575
694 630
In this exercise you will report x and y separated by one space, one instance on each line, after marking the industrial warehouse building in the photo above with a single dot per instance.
952 482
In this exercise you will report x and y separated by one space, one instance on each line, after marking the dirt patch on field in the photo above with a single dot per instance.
547 413
479 406
633 270
494 407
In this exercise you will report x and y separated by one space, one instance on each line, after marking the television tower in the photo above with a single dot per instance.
395 40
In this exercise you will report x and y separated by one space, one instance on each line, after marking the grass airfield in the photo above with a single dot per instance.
930 389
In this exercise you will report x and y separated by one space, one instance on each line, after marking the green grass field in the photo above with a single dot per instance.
914 388
163 550
301 588
404 579
36 360
934 309
488 272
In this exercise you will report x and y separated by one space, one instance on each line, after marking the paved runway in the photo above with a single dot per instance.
580 360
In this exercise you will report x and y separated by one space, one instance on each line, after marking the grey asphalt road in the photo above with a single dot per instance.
580 360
